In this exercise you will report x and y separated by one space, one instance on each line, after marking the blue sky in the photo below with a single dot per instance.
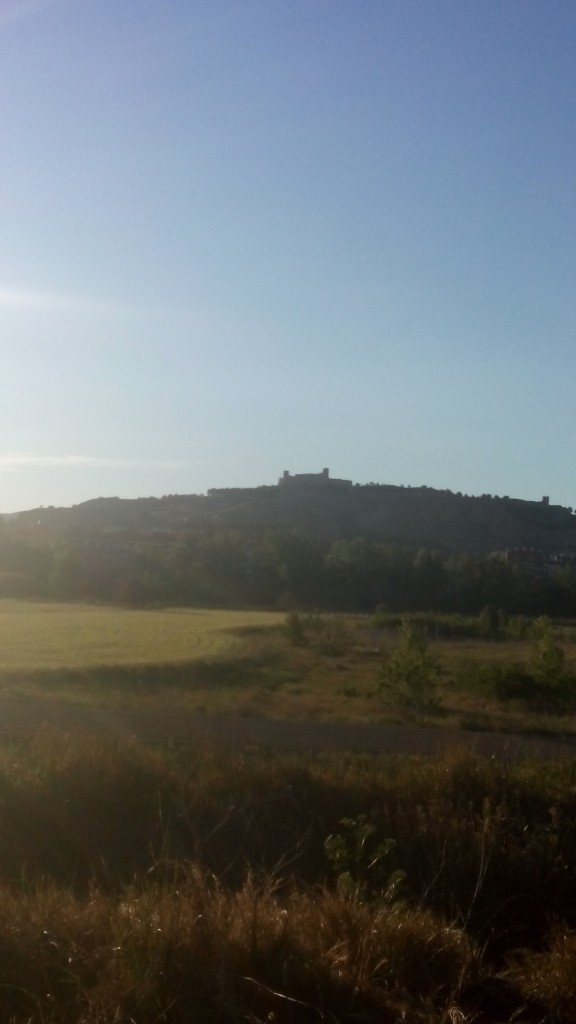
243 236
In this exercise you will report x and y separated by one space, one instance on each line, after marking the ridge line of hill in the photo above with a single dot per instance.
415 516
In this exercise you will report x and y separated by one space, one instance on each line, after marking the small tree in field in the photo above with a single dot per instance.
295 631
411 670
546 656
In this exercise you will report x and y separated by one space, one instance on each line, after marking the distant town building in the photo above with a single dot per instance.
537 564
318 481
526 560
557 564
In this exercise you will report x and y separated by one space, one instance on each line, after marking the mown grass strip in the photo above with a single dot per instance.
49 635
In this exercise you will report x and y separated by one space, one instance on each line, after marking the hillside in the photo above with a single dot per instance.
415 516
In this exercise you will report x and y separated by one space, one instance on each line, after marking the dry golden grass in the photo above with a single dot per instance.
548 980
143 885
195 951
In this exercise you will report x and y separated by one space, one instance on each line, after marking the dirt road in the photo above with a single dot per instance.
19 719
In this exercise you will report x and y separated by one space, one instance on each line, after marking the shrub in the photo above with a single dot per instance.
360 861
492 622
295 631
410 671
546 656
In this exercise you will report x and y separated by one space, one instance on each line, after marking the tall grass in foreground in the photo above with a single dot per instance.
197 952
142 885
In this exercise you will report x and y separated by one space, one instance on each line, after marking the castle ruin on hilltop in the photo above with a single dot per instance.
318 481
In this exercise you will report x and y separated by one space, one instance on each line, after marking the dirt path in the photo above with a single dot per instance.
18 719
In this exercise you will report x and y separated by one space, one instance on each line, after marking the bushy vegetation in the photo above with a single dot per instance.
490 624
172 886
543 682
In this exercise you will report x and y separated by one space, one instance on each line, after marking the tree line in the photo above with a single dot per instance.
275 569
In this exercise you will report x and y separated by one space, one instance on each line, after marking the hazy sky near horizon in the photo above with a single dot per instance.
243 236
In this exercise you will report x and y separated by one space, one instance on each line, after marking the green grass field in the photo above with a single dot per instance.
51 636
